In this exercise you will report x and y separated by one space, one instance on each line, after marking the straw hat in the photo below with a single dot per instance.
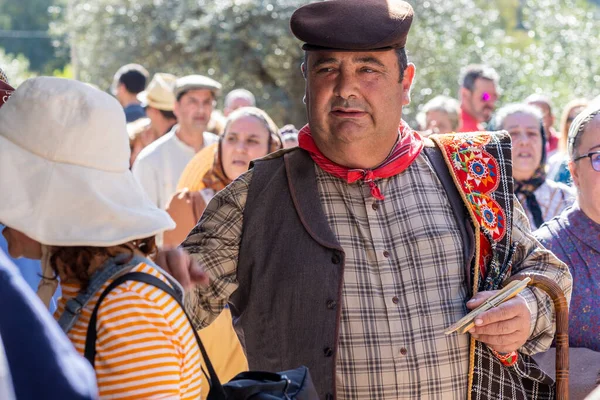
64 168
159 93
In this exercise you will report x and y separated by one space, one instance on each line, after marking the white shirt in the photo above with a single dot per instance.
160 165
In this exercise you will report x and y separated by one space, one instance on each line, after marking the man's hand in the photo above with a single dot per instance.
182 267
504 328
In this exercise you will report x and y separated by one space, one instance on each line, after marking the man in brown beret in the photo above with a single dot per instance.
352 253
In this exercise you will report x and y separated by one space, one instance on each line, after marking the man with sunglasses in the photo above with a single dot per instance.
478 95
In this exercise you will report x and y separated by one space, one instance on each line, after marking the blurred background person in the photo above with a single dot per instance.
558 164
289 136
249 134
439 115
159 166
141 135
130 80
574 237
238 98
478 95
544 104
158 101
541 198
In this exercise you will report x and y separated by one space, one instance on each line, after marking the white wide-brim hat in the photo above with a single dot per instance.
64 168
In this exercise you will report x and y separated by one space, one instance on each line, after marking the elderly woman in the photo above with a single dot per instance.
249 134
574 237
440 115
541 198
67 197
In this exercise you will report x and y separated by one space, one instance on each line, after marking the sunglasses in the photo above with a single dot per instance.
485 97
594 158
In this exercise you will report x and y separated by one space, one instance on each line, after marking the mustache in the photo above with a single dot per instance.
345 103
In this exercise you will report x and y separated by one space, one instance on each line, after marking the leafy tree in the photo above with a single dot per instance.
25 25
247 43
15 67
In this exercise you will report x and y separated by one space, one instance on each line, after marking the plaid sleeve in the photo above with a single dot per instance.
214 243
531 256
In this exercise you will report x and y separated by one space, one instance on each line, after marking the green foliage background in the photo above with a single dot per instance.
550 47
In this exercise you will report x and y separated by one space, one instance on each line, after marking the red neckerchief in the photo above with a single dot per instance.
405 151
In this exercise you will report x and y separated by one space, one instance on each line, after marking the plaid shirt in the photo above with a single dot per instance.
404 281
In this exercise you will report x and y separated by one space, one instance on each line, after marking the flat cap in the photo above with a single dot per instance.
193 82
353 25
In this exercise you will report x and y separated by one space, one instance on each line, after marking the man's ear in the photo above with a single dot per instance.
407 81
464 93
303 69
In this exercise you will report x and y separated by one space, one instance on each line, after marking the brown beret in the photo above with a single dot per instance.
353 25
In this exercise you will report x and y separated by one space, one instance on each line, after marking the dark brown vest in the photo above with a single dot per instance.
286 309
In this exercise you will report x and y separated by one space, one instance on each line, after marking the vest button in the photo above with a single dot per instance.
386 254
328 396
375 206
328 351
331 304
403 351
336 259
395 300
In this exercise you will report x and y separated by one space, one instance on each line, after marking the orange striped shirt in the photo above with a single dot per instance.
145 346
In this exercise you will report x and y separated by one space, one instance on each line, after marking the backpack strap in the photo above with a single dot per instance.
111 269
216 392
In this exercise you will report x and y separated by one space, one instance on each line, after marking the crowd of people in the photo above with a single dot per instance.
349 245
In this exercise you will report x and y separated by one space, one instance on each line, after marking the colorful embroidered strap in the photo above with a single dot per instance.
480 166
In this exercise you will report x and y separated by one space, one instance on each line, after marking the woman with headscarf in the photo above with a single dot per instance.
541 198
574 237
249 134
67 197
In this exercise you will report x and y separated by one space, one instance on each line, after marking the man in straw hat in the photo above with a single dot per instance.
160 165
354 252
158 100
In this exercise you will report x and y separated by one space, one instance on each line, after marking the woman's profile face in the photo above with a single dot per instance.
585 177
21 245
245 139
526 135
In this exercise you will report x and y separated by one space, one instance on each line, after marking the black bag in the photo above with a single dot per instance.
256 385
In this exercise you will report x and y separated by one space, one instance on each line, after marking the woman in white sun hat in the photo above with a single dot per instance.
67 197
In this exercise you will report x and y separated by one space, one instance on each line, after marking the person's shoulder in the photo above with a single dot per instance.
209 138
139 296
568 191
549 234
276 155
157 149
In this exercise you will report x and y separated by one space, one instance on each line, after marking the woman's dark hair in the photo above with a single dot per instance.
76 260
